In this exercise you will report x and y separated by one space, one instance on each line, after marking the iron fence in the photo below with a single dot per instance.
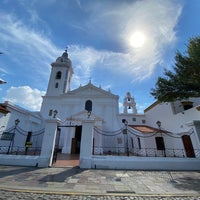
145 152
17 150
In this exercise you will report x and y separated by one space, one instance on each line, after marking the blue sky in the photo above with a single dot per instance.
33 33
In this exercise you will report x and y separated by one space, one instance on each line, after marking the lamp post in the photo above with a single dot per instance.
125 132
162 147
13 136
158 124
55 112
89 114
2 81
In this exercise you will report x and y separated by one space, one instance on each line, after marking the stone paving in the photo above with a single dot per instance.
75 183
8 195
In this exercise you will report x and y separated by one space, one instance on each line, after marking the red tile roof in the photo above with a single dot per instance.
3 109
146 129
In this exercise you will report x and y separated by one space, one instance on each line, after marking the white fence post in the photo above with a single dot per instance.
48 143
86 144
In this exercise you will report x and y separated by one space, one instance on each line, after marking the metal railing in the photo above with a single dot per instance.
146 152
17 150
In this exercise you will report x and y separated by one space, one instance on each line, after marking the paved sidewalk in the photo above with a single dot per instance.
76 181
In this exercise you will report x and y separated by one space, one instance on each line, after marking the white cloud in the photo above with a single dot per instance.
28 46
25 96
156 19
84 60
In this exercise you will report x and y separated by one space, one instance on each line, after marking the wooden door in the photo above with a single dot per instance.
189 150
73 146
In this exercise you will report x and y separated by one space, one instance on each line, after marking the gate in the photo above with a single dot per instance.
71 158
127 142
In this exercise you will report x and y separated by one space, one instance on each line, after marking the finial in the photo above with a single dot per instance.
66 49
90 80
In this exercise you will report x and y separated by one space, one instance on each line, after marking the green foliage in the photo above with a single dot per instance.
184 80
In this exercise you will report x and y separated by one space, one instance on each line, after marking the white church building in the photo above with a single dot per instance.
87 122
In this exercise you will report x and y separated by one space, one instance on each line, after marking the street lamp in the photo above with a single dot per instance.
158 124
89 114
55 112
2 81
125 122
162 144
17 121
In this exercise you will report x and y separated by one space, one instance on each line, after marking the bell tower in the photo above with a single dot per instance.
60 77
129 103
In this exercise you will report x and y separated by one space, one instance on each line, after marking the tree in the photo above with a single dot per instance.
184 81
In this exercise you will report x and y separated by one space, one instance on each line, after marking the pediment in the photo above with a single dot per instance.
91 90
77 118
84 115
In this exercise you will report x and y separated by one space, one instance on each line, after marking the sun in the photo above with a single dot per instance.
137 39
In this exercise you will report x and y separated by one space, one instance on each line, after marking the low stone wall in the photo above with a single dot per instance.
111 162
19 160
144 163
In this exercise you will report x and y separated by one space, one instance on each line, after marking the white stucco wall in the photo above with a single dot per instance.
29 121
144 163
179 124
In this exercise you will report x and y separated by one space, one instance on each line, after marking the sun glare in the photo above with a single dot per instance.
137 39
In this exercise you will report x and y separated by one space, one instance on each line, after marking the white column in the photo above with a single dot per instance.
197 128
86 144
48 143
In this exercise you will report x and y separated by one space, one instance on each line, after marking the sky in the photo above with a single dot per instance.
121 45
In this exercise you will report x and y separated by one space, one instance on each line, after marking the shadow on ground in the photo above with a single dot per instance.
15 171
187 183
62 176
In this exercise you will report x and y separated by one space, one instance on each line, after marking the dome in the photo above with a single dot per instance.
64 59
65 55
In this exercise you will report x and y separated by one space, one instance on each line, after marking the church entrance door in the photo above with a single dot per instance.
76 141
69 159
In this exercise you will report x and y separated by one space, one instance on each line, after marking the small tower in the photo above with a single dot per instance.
61 74
129 103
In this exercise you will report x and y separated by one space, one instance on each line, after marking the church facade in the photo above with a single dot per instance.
87 121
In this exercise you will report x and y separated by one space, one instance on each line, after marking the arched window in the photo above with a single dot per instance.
88 105
58 75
